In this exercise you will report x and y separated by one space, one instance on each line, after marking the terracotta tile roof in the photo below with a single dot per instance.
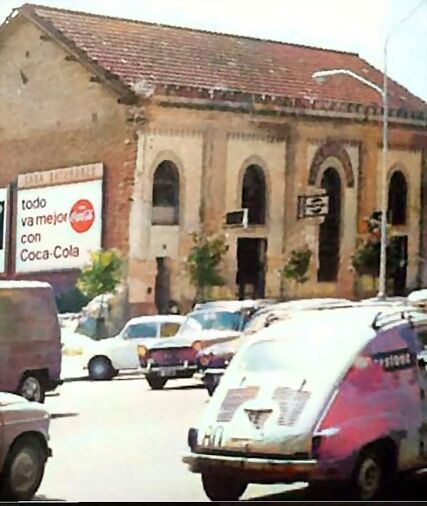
141 52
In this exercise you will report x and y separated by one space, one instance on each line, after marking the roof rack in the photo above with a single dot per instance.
383 318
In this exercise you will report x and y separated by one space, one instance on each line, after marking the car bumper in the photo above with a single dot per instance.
252 469
176 371
201 374
52 384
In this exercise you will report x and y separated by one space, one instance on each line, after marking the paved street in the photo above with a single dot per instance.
121 441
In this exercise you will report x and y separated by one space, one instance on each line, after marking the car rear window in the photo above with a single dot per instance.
296 353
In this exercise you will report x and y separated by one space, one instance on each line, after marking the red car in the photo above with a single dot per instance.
210 323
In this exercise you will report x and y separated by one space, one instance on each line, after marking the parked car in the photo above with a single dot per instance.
210 323
30 343
326 397
75 344
107 357
24 447
213 360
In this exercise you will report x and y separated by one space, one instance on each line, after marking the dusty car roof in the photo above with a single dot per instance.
302 304
229 305
157 318
355 324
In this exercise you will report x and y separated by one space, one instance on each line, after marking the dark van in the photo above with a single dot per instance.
30 339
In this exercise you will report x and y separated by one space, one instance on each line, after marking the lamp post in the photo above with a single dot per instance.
319 76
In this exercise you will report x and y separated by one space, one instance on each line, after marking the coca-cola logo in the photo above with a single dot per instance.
82 216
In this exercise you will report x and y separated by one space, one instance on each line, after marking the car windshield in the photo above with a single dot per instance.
213 320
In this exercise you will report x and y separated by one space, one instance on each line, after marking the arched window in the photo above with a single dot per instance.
166 195
329 233
253 194
397 199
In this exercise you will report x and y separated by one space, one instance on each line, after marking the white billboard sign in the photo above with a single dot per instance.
58 226
3 228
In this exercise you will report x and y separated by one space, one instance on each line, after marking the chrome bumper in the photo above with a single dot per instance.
262 469
172 370
200 375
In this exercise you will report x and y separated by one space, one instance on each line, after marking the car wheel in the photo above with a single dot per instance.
219 487
32 388
23 470
155 382
369 476
100 369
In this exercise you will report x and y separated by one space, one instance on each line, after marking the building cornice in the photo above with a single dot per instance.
233 101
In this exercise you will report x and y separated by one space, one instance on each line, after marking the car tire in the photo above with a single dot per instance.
100 369
220 487
23 470
369 476
32 388
155 382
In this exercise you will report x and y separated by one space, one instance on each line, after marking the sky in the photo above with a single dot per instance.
359 26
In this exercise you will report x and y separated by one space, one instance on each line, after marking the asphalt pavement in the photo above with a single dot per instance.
121 441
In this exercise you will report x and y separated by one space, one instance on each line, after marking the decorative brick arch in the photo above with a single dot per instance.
334 149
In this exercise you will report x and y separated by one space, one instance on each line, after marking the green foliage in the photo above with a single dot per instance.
102 275
297 266
204 260
366 259
72 301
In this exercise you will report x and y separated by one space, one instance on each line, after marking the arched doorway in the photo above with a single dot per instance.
165 194
253 194
397 199
397 250
251 252
329 233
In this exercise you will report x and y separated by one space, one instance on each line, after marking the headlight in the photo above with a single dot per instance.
142 351
197 345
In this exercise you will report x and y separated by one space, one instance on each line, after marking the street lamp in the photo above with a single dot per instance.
320 76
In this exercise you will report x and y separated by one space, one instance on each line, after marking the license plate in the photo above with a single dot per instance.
169 373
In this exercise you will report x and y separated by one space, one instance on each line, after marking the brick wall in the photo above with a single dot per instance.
59 118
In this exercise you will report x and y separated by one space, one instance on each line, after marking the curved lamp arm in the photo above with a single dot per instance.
321 74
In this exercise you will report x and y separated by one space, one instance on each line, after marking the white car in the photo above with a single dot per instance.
24 447
333 397
107 357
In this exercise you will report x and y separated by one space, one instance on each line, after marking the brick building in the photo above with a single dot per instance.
188 125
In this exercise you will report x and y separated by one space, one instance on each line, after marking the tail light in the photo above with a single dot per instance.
197 345
142 351
143 354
